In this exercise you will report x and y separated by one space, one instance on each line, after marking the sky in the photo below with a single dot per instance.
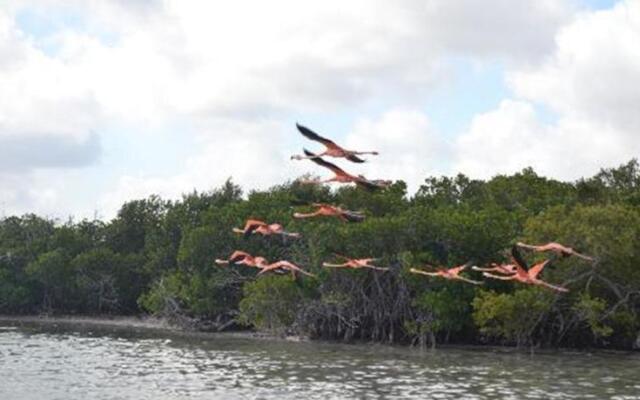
102 102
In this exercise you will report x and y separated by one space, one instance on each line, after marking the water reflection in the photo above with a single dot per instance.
37 363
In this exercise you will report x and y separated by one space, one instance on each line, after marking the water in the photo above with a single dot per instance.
41 362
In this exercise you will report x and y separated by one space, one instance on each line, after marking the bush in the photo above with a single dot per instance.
270 303
512 317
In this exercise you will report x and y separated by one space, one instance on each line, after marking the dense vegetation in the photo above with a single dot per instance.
156 256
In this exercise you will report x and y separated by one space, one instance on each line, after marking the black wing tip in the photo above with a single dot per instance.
368 186
517 256
352 217
306 131
308 153
356 159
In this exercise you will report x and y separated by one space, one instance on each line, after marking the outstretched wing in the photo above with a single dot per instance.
318 160
251 226
309 134
367 185
238 256
460 268
537 268
517 258
352 217
354 158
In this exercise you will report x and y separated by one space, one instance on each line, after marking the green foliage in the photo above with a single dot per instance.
591 310
513 317
162 297
270 303
157 256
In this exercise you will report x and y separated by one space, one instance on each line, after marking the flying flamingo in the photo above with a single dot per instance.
241 257
524 275
557 248
355 263
257 226
344 177
506 269
332 149
448 273
282 265
328 210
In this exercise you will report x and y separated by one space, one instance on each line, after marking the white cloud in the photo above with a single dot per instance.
510 138
237 72
590 82
252 153
410 149
594 73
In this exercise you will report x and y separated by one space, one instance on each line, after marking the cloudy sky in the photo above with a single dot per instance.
105 101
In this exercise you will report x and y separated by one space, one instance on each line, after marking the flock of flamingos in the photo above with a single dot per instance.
517 270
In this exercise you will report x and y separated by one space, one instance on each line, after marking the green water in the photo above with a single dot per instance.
43 362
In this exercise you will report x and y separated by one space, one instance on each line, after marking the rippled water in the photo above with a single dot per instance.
40 362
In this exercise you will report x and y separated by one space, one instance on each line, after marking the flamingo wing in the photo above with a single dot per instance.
354 158
519 262
537 268
318 160
350 216
251 226
309 134
367 184
552 287
238 256
458 269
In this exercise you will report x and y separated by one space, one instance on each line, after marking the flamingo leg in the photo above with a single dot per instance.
417 271
291 234
550 286
462 278
334 265
493 269
526 246
584 257
501 277
301 157
307 215
377 268
307 273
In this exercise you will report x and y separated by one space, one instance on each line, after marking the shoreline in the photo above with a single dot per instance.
162 325
146 323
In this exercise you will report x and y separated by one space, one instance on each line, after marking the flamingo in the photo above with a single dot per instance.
257 226
506 269
332 149
328 210
241 257
524 275
344 177
448 273
282 265
355 263
557 248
